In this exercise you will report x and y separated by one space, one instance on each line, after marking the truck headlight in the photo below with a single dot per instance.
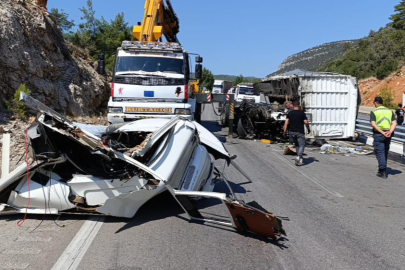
115 109
183 111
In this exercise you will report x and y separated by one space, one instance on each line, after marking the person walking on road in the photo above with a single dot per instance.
296 119
384 123
400 114
289 106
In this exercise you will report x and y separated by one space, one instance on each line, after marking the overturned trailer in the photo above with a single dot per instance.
85 169
330 100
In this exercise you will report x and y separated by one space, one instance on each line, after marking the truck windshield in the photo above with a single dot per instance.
149 64
246 91
218 86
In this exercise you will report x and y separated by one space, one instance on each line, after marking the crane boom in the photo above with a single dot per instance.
159 19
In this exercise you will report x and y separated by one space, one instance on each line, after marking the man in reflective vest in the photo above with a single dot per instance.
384 123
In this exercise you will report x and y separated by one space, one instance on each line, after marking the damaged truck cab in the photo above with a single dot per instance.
86 169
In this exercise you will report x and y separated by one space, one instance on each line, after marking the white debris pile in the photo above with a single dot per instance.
344 150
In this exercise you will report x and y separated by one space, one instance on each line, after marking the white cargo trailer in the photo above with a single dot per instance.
330 100
221 87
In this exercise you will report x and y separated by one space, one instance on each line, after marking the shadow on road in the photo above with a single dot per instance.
393 171
215 129
308 161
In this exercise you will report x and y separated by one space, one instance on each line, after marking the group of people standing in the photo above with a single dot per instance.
383 120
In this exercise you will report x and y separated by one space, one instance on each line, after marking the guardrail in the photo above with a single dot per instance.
398 146
364 126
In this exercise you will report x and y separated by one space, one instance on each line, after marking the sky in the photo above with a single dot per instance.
253 37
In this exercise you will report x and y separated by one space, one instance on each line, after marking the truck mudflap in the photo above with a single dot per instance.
251 219
243 217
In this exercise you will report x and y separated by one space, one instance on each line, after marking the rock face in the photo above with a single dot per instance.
33 51
313 59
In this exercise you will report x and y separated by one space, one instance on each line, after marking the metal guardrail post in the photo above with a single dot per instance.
231 117
5 163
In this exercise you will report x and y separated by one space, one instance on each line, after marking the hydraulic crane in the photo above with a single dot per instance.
159 19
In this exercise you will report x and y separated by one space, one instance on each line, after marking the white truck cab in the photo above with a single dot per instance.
244 91
151 80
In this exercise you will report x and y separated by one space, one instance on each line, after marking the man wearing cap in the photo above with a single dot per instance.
384 123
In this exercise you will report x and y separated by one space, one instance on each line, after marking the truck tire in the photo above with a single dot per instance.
241 130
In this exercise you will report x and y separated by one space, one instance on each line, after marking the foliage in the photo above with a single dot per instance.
62 20
17 107
232 78
240 79
388 97
100 36
207 79
376 55
398 19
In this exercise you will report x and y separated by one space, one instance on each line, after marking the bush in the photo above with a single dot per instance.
17 107
386 68
388 97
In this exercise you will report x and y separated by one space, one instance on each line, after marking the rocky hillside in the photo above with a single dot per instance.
33 51
313 59
371 87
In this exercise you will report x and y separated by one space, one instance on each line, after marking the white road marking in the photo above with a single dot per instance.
21 251
33 239
14 265
74 253
312 179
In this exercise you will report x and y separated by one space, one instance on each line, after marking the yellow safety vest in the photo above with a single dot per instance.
383 117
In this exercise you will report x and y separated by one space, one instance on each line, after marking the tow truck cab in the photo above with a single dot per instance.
151 80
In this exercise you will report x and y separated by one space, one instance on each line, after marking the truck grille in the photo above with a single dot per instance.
148 81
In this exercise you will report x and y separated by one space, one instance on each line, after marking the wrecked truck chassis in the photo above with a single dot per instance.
84 169
259 121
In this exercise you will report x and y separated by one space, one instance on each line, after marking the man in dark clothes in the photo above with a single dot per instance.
400 114
296 119
384 123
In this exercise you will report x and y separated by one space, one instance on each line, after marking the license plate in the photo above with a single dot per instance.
148 110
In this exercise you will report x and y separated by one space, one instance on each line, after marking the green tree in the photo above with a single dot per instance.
62 19
110 36
386 68
17 107
100 36
388 97
398 19
207 79
239 79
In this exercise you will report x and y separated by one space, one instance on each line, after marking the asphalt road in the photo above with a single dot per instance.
342 217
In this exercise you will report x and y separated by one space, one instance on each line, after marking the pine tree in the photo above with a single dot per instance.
398 19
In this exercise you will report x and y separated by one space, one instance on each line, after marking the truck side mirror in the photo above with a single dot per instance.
198 59
101 64
198 71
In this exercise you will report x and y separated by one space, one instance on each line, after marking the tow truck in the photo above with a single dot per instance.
152 78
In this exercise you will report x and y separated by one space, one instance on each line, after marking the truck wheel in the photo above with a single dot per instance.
241 130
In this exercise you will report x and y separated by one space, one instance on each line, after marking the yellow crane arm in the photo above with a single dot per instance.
159 19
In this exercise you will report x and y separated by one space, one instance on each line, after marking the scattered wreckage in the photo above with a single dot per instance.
97 170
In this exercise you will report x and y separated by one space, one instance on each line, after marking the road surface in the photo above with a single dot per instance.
342 217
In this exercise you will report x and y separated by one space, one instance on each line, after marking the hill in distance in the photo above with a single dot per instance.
315 58
232 78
